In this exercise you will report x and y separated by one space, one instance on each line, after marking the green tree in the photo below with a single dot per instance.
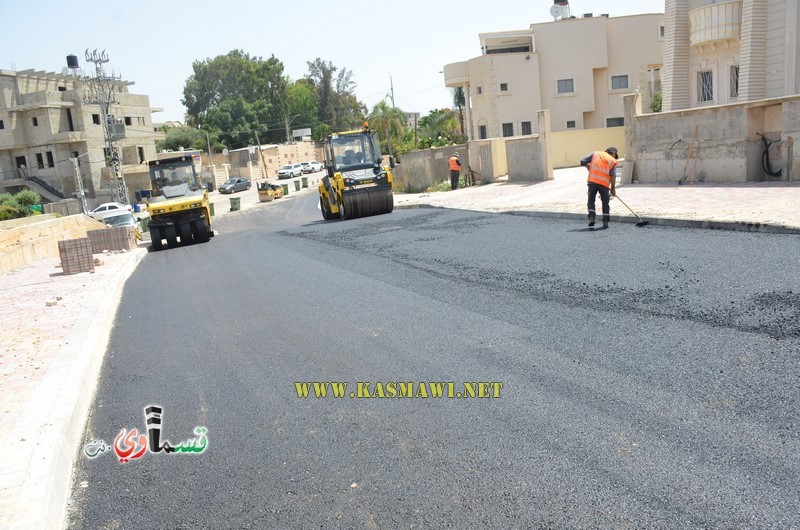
460 101
337 104
302 97
389 121
186 137
438 128
321 75
251 86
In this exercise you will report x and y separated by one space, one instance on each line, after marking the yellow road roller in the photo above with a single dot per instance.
356 183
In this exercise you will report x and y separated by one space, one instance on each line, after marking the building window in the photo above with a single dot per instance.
662 31
482 134
480 90
619 82
570 124
62 89
140 150
734 81
35 121
615 122
2 126
50 162
508 129
566 86
503 87
526 127
39 161
96 119
128 120
705 86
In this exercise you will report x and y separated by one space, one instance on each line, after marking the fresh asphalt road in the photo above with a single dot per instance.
649 377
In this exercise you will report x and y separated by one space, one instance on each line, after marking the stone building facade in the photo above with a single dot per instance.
45 121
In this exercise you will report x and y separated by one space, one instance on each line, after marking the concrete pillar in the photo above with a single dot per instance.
469 112
545 138
633 107
753 54
676 76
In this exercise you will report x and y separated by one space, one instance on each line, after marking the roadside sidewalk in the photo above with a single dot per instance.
764 206
54 335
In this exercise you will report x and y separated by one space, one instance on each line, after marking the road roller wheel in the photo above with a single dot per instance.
186 234
200 231
171 235
326 211
155 237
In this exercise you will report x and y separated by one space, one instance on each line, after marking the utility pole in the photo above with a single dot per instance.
103 92
79 191
391 85
261 152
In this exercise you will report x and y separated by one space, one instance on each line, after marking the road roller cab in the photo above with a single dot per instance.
356 183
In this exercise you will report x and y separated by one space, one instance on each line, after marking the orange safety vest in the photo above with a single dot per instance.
454 165
600 168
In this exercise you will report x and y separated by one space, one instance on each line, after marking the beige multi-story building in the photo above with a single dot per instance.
719 52
45 121
578 67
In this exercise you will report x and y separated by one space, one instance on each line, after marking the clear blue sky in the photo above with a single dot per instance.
154 44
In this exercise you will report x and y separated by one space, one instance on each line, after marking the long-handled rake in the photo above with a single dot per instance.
640 223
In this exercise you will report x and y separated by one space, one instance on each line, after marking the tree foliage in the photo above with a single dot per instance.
389 121
232 88
337 104
18 205
438 128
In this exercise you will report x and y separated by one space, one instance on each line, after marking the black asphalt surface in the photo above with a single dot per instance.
649 377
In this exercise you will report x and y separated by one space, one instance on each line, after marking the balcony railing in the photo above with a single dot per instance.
715 23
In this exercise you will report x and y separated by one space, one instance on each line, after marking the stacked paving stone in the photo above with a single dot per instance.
76 255
112 238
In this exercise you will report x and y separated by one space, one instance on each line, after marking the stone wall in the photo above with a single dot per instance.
22 245
725 142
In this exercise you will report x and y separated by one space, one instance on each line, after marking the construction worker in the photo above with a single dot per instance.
455 170
602 166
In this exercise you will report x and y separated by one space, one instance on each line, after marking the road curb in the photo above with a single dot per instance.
47 487
738 226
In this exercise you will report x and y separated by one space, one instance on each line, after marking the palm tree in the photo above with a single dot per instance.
391 121
460 101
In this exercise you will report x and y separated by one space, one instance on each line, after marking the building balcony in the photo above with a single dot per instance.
42 100
456 74
716 24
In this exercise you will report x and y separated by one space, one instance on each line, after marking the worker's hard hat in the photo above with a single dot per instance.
455 155
612 151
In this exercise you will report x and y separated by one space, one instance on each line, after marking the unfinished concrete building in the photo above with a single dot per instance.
45 121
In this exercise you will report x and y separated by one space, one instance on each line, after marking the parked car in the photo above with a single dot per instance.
312 166
234 184
290 171
123 218
108 208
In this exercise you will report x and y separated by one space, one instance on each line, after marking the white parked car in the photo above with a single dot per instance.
108 208
123 218
312 166
290 171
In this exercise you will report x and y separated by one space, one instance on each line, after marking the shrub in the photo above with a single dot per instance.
26 199
8 212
